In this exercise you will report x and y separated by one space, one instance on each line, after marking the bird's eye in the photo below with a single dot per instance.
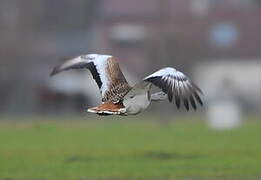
132 96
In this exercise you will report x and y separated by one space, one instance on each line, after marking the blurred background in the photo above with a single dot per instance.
215 42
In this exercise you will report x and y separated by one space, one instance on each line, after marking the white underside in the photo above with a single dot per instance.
138 99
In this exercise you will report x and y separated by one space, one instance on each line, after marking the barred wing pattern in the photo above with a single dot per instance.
175 84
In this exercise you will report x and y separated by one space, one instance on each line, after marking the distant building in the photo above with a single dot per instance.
231 80
180 32
231 89
35 35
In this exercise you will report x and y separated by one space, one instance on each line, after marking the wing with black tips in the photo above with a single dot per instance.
177 86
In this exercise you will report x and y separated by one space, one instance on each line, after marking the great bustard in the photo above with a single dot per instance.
119 98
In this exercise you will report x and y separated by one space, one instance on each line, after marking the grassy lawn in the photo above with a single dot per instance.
105 148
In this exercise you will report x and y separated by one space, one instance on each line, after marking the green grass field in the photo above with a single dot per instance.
135 148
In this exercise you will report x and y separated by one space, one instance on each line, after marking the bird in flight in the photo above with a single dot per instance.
119 98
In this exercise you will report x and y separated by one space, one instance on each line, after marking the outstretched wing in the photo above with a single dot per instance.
175 84
105 71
